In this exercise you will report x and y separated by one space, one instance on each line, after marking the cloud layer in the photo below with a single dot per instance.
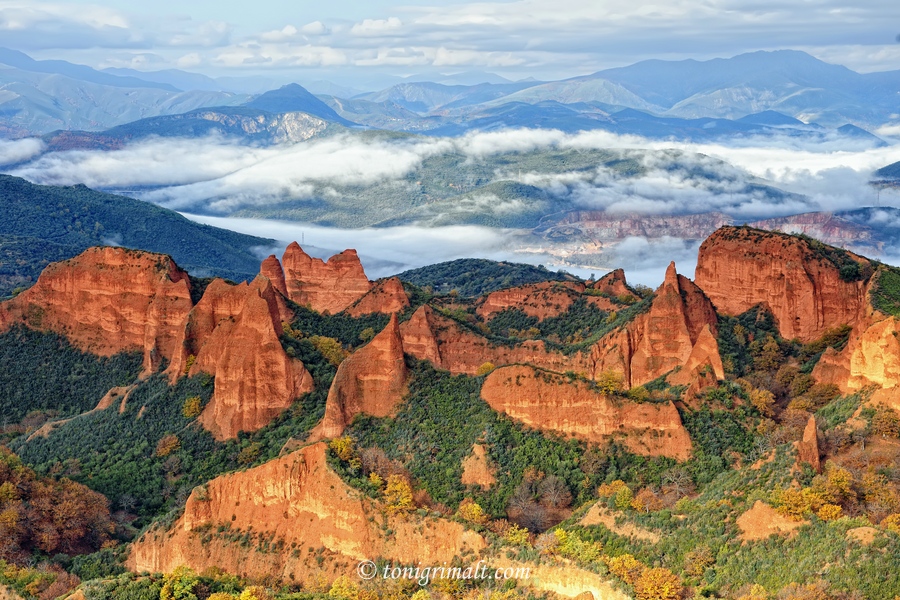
530 37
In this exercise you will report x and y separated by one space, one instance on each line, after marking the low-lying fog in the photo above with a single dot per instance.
215 176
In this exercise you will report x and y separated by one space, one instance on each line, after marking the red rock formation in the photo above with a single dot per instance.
739 268
678 329
236 332
541 300
298 499
271 269
550 401
431 336
386 297
370 381
808 447
613 283
108 300
331 286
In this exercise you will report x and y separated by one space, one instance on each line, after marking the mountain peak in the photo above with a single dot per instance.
293 97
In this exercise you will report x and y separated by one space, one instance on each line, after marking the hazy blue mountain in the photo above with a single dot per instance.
427 96
44 96
22 61
247 125
40 224
771 118
294 98
175 78
892 171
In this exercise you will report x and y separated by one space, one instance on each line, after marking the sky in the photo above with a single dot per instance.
342 41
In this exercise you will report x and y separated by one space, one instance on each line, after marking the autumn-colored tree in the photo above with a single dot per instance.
167 445
367 334
830 512
484 369
471 511
892 523
626 567
698 560
344 588
345 449
763 401
255 592
610 489
398 495
646 501
517 536
192 407
610 382
885 422
657 583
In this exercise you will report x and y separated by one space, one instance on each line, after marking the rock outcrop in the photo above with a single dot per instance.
109 300
298 500
739 268
271 268
678 330
370 381
234 332
613 283
808 447
540 300
324 286
429 335
551 401
386 297
477 469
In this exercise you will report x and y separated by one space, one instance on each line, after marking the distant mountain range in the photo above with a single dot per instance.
682 99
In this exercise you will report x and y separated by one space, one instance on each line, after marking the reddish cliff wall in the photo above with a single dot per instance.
324 286
739 268
299 500
550 401
108 300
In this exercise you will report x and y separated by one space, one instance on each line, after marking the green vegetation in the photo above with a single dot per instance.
43 372
41 224
444 416
886 292
849 269
472 277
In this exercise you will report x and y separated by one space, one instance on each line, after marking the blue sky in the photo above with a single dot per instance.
341 40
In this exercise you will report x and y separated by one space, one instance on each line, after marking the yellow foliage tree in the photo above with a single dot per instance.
763 401
892 523
624 497
344 589
626 567
646 501
610 382
191 407
830 512
610 489
484 369
330 348
471 511
517 536
657 583
255 592
398 495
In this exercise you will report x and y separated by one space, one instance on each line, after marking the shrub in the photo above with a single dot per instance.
657 583
626 567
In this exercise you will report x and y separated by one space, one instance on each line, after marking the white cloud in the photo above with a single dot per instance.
15 151
377 27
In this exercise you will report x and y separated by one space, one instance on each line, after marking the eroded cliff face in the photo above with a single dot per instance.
739 267
871 358
324 286
298 500
677 331
235 331
371 381
386 297
429 335
109 300
541 300
550 401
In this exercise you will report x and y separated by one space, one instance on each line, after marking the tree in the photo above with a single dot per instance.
626 567
398 495
484 369
167 445
192 407
610 382
657 583
554 492
763 401
471 511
